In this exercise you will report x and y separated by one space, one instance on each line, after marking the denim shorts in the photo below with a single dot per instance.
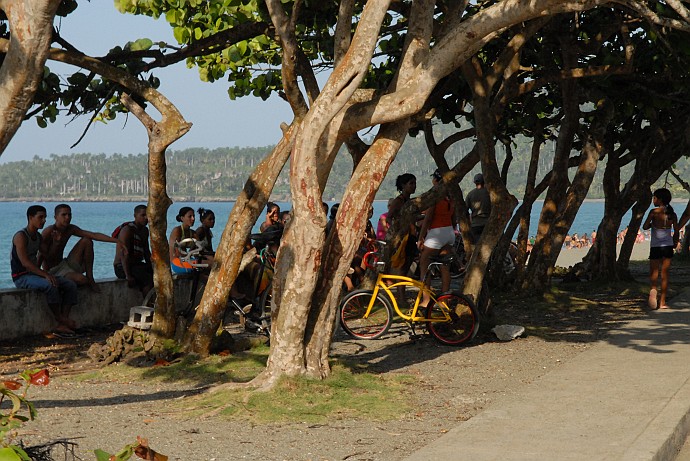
64 293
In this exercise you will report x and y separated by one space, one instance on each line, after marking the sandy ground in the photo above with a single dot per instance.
450 385
572 256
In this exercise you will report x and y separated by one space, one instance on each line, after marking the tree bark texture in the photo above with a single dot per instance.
161 135
31 32
300 256
244 214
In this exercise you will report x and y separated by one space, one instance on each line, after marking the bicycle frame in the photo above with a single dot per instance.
402 281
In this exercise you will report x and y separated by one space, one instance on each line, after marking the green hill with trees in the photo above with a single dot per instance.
219 174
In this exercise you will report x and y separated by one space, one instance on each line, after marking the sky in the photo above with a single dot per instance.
94 28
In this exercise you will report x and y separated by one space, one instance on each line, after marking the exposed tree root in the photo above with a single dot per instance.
52 451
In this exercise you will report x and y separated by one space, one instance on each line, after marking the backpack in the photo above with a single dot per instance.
117 230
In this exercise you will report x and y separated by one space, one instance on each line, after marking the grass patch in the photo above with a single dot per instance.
342 395
350 392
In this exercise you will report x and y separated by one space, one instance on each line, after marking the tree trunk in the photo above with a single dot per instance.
161 134
245 212
31 32
638 212
342 243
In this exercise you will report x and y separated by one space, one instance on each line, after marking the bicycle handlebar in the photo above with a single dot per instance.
190 255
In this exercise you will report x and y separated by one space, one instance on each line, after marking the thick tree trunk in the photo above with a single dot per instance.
245 212
301 256
539 274
161 134
31 32
502 201
342 243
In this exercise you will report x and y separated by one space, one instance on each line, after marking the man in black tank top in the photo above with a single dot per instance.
26 269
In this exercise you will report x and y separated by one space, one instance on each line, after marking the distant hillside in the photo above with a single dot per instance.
220 174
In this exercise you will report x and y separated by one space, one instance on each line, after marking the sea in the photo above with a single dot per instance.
106 216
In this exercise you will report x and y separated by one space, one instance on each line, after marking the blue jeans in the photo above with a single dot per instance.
65 293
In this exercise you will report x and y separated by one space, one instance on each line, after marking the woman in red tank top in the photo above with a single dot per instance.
437 235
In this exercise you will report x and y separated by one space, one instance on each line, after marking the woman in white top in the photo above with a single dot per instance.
663 222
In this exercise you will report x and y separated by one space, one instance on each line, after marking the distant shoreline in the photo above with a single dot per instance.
179 199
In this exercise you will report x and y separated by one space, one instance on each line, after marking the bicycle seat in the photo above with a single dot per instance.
443 259
272 234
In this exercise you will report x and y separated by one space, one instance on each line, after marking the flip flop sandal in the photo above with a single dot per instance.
62 334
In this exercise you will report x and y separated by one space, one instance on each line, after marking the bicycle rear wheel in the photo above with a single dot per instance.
353 309
456 319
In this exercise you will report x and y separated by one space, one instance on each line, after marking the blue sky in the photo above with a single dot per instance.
94 28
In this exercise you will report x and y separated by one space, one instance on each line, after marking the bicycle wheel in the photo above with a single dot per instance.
462 319
354 306
265 299
457 266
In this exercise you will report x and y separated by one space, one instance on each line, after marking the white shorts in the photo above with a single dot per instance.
439 237
65 267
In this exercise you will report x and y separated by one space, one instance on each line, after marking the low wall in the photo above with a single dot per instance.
26 312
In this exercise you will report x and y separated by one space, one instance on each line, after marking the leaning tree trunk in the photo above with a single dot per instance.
342 243
245 212
161 134
638 212
502 201
591 152
31 32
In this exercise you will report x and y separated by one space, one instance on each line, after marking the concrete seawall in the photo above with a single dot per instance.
26 312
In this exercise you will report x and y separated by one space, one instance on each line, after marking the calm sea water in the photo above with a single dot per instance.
105 216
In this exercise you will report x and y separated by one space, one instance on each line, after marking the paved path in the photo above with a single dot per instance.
627 398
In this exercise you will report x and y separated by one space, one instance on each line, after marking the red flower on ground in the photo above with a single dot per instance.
40 378
12 385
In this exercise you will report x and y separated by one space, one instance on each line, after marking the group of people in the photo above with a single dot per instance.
435 234
38 262
579 241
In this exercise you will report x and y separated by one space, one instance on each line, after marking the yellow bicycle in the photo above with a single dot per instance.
451 318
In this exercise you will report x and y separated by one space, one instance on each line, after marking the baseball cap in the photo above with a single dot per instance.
479 178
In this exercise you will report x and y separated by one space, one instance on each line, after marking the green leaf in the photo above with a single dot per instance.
8 454
181 34
198 33
242 47
102 455
141 44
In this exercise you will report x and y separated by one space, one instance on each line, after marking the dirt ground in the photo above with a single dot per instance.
452 385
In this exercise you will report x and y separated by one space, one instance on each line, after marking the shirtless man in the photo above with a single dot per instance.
80 259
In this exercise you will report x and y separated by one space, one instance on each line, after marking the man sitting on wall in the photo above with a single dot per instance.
80 259
134 265
27 273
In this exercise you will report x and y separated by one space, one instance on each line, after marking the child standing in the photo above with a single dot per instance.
663 222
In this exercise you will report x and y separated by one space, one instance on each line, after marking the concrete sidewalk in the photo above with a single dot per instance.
626 398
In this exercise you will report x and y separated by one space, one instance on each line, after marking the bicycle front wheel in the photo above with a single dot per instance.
353 318
453 319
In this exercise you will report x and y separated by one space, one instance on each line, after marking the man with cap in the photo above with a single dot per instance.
479 206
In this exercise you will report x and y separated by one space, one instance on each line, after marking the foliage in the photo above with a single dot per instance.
140 448
21 411
200 173
252 64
